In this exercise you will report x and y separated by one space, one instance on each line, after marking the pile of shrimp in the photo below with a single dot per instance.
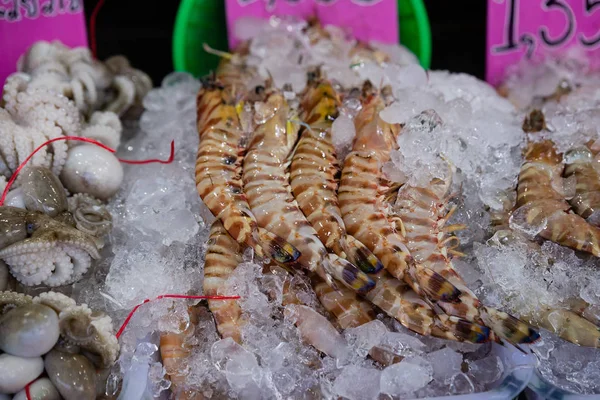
268 171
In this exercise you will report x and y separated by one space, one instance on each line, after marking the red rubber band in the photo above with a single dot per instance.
169 296
81 139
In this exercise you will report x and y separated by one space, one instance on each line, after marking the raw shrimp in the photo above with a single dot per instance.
365 213
269 195
583 166
175 348
541 202
424 213
218 169
313 177
222 257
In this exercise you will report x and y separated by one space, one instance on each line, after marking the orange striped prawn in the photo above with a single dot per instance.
222 257
583 165
175 348
423 211
218 170
365 212
538 199
313 178
269 195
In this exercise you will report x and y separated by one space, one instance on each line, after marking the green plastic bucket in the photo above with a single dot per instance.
203 21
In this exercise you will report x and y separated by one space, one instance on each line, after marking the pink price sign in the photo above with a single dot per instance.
23 22
365 19
531 29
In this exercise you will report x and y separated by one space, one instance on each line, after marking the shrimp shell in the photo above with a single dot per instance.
222 257
269 195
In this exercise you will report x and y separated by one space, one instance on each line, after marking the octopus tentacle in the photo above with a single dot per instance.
92 332
57 301
10 300
91 216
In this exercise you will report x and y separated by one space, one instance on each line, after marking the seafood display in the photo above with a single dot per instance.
51 334
54 218
337 223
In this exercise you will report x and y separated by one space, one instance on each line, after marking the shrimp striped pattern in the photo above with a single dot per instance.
269 195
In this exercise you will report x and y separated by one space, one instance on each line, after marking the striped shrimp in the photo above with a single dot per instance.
398 301
313 178
218 170
539 201
365 213
222 257
269 195
174 350
423 214
583 165
574 321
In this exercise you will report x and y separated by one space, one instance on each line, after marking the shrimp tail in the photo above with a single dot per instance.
276 247
508 327
434 285
360 255
348 274
449 327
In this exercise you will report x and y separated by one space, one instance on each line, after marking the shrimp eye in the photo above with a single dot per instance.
30 228
259 89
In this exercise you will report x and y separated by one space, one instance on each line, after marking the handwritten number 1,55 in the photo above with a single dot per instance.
590 7
556 4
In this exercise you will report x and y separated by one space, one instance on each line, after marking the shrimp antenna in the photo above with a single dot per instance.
215 52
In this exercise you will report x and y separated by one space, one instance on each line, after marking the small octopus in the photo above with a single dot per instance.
41 243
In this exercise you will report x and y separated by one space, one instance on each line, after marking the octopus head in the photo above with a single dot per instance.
43 191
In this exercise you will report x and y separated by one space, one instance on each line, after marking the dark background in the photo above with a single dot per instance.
143 31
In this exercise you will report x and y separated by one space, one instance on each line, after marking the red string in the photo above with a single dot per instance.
93 27
27 392
81 139
169 296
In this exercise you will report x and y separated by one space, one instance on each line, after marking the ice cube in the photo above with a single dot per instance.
405 377
446 363
342 135
486 370
364 337
356 383
461 384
